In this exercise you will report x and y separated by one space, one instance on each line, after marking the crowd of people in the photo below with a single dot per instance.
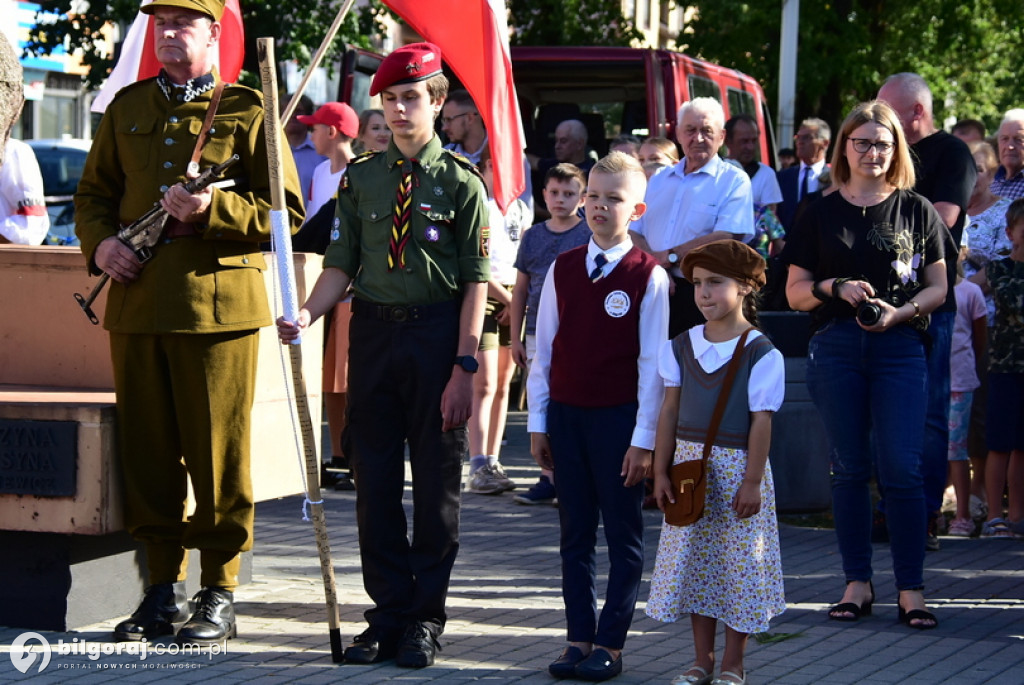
631 307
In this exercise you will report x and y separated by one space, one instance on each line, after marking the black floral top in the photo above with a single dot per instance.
1006 346
887 244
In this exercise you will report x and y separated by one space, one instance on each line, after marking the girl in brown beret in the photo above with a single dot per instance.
726 565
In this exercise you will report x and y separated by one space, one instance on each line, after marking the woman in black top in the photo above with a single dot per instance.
868 262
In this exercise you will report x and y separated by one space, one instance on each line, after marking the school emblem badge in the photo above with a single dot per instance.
616 305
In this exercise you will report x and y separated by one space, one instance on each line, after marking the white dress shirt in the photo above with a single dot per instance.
653 331
681 207
766 388
812 179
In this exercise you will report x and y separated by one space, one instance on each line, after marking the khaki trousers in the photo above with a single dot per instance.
184 404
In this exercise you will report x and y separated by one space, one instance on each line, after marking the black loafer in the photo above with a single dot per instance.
565 665
599 666
213 619
417 648
370 646
162 606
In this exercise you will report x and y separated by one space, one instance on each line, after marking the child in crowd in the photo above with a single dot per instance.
594 395
656 154
490 383
726 566
563 195
1004 468
970 335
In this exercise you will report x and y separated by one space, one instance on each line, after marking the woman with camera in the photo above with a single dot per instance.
868 263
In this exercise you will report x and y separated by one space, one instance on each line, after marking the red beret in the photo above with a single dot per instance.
728 258
336 114
414 62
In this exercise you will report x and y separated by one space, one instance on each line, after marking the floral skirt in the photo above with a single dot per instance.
721 566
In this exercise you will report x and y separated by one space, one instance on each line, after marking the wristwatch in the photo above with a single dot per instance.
673 258
468 363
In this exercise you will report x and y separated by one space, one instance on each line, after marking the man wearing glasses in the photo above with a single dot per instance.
464 128
798 181
1009 180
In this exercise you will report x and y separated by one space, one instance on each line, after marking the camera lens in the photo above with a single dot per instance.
868 313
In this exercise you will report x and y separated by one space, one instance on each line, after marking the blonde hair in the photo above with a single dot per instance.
620 163
900 173
989 158
665 147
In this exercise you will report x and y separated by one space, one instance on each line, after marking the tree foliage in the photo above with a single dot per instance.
298 25
570 22
971 52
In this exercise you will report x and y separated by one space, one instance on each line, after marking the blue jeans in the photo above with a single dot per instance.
936 432
864 383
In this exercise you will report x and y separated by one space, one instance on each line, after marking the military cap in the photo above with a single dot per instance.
336 114
211 8
728 258
414 62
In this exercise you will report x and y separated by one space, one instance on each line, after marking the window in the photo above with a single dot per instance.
741 102
701 87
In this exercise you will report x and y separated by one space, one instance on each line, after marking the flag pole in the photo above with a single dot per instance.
289 110
286 274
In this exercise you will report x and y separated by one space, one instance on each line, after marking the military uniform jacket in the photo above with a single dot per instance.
447 246
212 282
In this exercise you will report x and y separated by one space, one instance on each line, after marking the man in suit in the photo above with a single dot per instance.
797 182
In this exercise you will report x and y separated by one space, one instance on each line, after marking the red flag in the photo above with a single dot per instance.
138 58
474 42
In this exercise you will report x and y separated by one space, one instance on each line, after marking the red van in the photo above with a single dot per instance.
611 90
626 90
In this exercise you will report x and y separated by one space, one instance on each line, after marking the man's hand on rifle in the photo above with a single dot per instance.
187 207
117 260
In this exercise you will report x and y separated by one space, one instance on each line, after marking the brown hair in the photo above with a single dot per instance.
1015 213
900 174
566 172
437 87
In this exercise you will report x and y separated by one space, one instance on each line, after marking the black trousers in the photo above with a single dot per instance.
397 373
683 312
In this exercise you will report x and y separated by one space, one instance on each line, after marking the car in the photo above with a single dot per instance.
61 161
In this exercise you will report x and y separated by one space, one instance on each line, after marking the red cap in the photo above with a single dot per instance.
336 114
414 62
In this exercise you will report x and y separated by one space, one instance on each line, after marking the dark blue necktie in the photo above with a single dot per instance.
803 183
600 260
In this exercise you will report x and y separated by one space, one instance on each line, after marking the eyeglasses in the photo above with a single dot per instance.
862 145
448 120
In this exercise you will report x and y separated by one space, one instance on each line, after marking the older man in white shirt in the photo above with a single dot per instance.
696 201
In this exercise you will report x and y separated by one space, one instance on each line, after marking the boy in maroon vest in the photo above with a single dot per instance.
594 396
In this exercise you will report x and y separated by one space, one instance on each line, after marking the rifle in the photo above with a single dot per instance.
144 233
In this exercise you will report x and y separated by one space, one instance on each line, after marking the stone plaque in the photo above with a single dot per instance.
38 457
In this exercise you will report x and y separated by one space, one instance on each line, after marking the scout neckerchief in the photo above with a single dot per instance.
401 219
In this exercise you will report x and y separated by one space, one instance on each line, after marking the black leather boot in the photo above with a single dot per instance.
162 606
213 619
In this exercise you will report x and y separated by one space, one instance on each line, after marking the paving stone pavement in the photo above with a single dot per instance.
505 613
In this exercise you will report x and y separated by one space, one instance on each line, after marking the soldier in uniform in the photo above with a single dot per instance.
410 236
183 325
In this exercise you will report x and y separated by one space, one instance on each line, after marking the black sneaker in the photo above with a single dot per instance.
542 492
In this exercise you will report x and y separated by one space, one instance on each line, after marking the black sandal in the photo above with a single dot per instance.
857 610
918 615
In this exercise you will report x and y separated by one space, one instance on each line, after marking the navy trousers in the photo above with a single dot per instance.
588 446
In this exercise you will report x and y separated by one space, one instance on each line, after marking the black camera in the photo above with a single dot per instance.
868 313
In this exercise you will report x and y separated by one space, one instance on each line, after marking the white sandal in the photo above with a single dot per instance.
740 679
704 678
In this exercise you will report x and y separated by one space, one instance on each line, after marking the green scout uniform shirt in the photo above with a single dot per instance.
448 227
209 283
